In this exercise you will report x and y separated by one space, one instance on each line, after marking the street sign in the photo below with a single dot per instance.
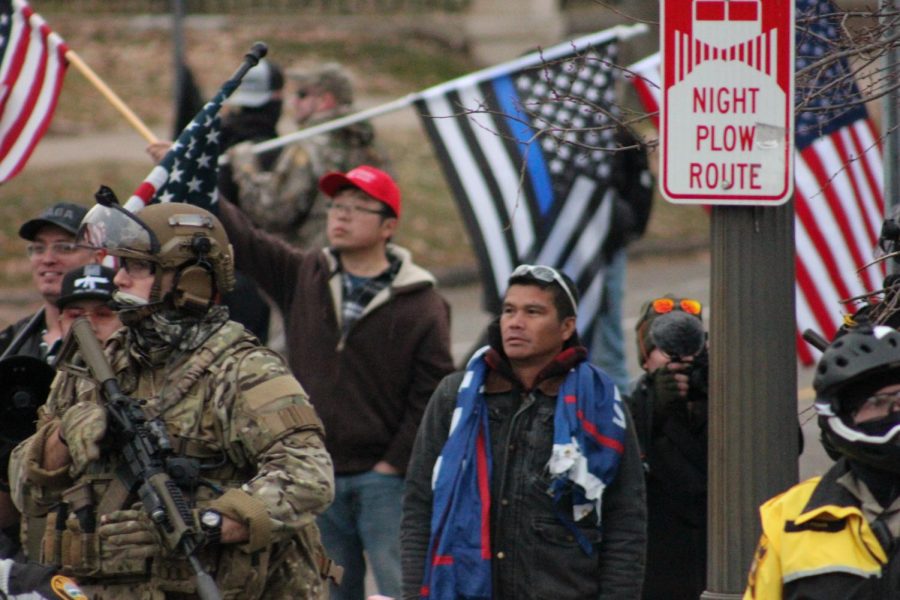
727 122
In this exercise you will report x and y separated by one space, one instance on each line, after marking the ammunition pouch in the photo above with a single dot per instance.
242 574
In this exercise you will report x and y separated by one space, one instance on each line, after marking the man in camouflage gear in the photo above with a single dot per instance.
285 199
229 404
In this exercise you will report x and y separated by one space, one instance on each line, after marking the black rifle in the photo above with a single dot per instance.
147 457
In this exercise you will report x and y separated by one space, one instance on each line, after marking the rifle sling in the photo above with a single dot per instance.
116 494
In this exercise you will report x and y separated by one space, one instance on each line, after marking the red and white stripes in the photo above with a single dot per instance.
31 75
839 208
757 52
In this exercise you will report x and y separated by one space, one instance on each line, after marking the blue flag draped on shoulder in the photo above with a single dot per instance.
189 171
521 145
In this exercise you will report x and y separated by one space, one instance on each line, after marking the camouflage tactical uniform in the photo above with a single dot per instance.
286 201
235 407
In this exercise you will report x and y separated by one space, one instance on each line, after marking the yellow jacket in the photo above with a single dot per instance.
816 543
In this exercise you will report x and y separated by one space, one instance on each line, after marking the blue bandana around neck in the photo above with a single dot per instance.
588 441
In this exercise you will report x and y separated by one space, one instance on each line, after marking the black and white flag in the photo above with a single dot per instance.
525 148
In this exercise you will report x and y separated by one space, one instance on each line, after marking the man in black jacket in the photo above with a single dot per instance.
529 458
669 404
52 252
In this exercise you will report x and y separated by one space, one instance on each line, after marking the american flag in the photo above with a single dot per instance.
838 198
522 147
188 171
32 66
646 78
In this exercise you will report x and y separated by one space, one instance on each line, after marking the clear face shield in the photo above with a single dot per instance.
111 228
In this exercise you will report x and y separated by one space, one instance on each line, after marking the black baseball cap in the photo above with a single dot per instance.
90 282
65 215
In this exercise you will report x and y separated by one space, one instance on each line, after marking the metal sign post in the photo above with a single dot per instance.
727 139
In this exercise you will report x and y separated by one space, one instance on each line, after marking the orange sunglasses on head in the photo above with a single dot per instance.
662 306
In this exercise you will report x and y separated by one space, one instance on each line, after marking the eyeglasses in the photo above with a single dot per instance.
884 402
662 306
137 268
39 248
547 275
100 312
354 209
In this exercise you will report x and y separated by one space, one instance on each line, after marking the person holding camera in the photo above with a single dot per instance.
669 407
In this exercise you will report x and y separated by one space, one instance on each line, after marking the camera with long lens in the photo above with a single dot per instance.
681 335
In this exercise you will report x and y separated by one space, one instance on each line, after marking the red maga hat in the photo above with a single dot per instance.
372 181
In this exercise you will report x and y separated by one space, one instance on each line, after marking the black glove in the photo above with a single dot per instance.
668 387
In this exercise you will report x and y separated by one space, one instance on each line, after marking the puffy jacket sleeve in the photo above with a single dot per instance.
271 425
624 545
272 262
765 579
415 528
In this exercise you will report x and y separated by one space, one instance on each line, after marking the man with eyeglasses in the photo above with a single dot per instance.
526 480
369 338
669 402
837 535
52 252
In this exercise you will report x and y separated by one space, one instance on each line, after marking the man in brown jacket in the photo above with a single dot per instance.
369 337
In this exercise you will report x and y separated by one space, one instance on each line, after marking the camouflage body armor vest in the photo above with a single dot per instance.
182 397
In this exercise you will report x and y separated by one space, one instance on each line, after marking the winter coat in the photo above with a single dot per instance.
816 543
534 555
674 449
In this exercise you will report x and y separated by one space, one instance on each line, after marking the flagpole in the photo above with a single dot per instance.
334 124
623 32
110 95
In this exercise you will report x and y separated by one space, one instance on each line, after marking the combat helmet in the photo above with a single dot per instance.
174 237
852 368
